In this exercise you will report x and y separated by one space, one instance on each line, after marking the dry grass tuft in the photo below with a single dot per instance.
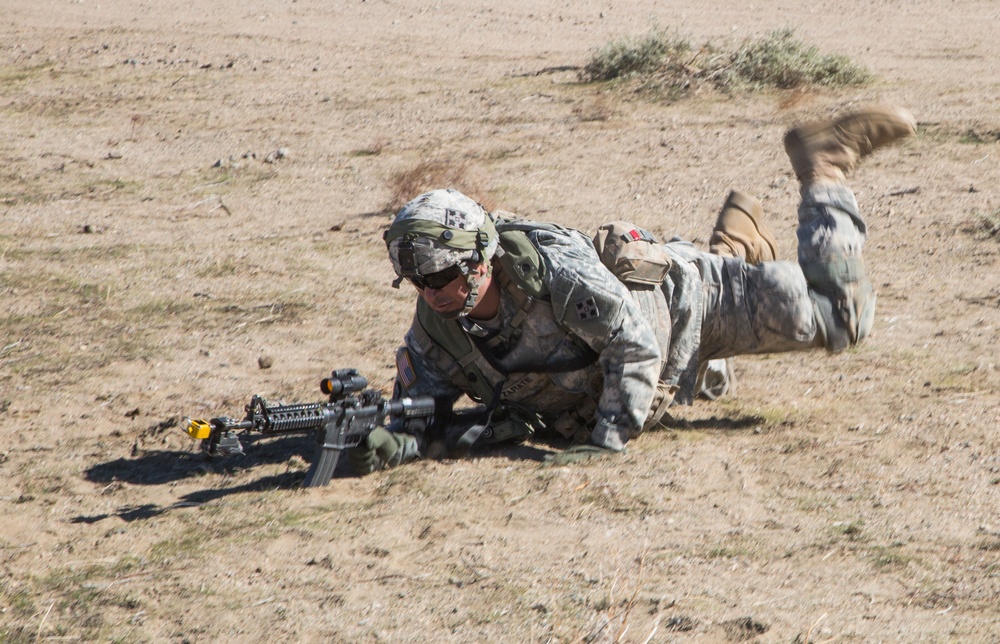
987 225
373 150
597 110
432 175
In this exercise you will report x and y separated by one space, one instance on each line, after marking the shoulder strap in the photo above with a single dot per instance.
521 261
451 349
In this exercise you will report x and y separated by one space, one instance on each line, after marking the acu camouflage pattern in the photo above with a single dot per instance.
779 306
588 312
451 209
831 237
648 336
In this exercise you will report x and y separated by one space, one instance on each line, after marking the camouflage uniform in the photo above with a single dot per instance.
594 359
708 307
593 317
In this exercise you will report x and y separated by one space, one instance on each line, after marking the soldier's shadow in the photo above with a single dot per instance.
150 510
161 467
533 451
158 467
718 423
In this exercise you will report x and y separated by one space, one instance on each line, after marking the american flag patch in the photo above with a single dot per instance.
404 369
587 309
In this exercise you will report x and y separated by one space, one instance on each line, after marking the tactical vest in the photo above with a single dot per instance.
454 352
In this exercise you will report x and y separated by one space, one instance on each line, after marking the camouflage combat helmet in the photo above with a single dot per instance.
437 232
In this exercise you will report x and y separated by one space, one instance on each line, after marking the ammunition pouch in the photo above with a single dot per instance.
632 254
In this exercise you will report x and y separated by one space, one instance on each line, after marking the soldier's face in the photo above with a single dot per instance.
450 298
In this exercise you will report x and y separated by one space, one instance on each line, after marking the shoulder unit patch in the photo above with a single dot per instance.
587 309
454 219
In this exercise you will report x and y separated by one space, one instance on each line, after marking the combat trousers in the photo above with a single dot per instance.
770 307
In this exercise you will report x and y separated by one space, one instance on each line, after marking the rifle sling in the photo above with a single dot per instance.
471 435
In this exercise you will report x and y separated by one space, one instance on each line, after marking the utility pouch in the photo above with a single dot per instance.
631 253
508 425
576 424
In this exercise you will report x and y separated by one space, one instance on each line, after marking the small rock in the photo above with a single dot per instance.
265 362
280 153
87 229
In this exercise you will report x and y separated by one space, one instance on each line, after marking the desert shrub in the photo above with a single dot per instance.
627 57
781 60
663 60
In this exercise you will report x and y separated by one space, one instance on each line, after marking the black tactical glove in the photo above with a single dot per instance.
578 453
383 448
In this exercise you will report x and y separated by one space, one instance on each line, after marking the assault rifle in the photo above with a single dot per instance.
351 414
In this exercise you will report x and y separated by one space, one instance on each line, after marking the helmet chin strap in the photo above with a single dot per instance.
474 280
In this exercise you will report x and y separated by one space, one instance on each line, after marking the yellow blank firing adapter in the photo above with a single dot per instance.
198 429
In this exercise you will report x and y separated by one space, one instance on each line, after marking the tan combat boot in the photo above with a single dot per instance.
740 231
825 151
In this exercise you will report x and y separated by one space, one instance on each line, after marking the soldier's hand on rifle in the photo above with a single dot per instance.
383 448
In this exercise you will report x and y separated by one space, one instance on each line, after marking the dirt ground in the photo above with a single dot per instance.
188 187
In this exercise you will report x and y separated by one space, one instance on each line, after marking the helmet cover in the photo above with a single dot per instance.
437 230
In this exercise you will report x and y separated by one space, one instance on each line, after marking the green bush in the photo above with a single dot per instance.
780 60
664 60
636 56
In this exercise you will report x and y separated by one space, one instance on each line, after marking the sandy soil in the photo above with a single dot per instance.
154 244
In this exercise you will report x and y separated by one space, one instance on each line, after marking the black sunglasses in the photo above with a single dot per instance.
437 280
